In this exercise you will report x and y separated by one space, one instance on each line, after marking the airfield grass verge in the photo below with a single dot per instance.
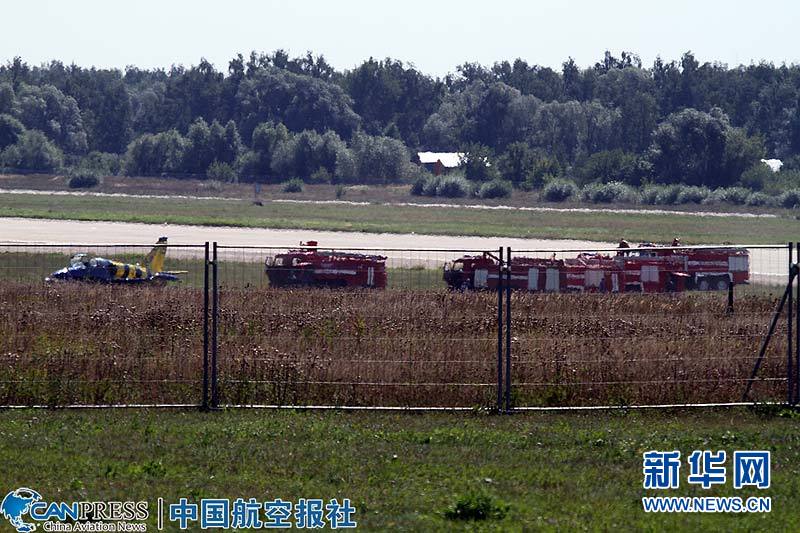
377 218
62 344
404 471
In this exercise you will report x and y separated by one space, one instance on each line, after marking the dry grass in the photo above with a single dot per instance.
629 349
97 344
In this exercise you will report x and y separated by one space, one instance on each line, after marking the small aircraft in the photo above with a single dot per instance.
83 267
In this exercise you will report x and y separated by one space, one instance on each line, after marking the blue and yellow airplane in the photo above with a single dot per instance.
82 267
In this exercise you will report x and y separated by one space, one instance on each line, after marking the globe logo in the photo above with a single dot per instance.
16 504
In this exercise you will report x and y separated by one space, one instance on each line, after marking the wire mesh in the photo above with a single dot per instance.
646 326
352 327
365 327
117 336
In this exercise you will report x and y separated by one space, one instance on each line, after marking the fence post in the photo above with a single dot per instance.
214 320
775 317
508 329
729 310
797 332
789 339
500 330
206 310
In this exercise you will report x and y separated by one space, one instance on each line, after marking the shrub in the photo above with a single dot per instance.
477 506
717 196
453 187
756 177
613 191
105 164
559 190
737 195
760 199
495 189
418 187
785 180
540 172
431 186
340 192
607 166
790 199
533 181
692 194
293 185
83 179
321 175
730 195
660 194
221 172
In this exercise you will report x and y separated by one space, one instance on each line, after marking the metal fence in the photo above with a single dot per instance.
695 341
97 343
391 336
242 329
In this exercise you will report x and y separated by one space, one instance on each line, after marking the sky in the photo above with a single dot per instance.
436 36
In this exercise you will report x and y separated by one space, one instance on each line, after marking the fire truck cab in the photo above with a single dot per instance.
472 272
312 267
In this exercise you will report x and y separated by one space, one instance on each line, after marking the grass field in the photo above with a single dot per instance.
542 471
598 226
67 343
383 194
64 344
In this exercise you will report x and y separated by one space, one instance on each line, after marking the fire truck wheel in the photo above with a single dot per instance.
704 285
722 284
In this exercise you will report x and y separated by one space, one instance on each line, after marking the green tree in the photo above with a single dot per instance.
48 110
256 163
517 162
608 166
381 159
10 130
152 155
32 151
198 154
478 163
7 99
700 148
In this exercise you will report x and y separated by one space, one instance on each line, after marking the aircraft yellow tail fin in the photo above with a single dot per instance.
155 259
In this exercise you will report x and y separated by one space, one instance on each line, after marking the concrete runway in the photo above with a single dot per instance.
766 265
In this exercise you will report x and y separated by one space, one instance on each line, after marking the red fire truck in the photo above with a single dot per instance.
647 268
311 267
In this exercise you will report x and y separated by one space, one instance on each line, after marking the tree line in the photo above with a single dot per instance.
271 117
